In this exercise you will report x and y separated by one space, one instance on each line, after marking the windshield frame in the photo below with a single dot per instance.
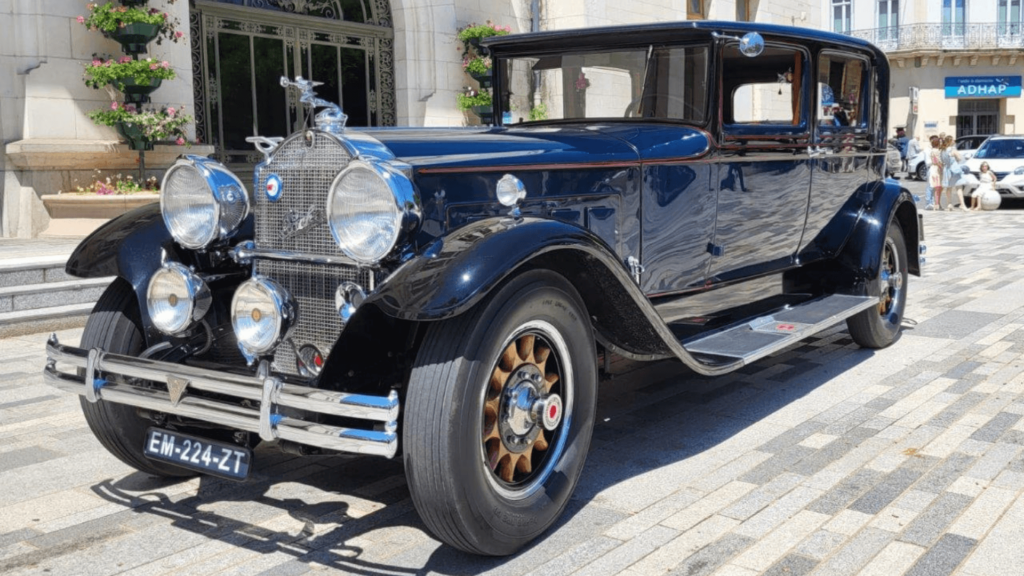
501 76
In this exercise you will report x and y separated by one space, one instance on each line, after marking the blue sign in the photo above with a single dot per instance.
982 86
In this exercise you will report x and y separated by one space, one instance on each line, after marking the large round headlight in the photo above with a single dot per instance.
261 313
369 207
202 202
176 298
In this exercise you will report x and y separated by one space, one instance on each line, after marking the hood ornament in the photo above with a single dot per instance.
330 120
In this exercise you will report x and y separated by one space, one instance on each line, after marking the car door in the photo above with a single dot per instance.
764 169
847 151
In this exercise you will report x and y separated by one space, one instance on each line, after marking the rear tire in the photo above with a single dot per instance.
878 326
114 326
480 480
922 172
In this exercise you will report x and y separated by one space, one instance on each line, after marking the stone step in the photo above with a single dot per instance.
46 295
30 270
44 319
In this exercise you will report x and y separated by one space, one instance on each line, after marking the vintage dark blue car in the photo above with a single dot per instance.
710 192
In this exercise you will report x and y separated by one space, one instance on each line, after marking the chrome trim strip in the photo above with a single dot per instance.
247 250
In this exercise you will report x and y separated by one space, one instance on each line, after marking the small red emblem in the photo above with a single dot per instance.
552 412
785 327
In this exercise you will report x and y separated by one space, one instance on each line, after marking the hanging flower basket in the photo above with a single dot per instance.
138 93
486 114
483 79
134 37
135 135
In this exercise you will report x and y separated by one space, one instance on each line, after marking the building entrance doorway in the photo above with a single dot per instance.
977 117
241 48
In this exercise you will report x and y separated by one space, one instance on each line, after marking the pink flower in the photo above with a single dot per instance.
113 105
81 19
154 66
180 141
170 112
108 62
508 28
164 64
97 62
165 15
179 34
124 59
130 107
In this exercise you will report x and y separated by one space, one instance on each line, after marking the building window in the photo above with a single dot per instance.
841 16
888 19
1009 18
953 17
694 9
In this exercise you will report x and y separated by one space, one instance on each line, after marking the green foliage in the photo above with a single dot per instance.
539 112
478 31
100 73
119 184
477 66
164 124
467 101
108 18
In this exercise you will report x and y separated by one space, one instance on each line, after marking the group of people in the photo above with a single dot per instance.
946 171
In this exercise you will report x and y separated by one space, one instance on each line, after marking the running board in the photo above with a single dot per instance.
768 334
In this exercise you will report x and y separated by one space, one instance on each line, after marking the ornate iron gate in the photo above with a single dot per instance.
240 48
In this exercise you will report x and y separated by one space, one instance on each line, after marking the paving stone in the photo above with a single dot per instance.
839 497
994 429
791 437
954 324
940 477
858 551
766 471
896 558
883 493
761 497
709 558
944 557
792 565
618 559
820 544
25 457
927 527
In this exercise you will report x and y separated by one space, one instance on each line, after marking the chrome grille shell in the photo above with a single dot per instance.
306 163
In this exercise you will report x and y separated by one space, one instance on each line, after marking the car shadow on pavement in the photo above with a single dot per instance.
650 416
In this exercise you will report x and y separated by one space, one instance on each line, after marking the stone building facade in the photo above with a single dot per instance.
957 64
406 57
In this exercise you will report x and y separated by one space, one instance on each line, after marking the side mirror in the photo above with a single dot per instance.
752 44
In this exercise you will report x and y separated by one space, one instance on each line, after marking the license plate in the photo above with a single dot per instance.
216 458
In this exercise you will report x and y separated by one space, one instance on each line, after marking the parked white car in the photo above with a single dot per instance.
1005 157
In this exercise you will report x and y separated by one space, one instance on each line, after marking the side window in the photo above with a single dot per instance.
842 80
767 89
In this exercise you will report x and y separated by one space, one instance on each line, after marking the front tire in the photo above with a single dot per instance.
878 326
487 471
114 326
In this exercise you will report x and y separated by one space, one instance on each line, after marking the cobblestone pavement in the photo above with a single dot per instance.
824 458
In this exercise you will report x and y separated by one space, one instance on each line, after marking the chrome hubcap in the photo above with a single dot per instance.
890 279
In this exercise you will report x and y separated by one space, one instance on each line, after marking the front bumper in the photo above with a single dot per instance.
264 393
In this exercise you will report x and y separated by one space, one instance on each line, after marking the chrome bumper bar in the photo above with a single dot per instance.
268 392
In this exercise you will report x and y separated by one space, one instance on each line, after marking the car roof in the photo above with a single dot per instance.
667 32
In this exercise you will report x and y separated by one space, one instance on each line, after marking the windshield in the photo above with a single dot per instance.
667 83
1001 149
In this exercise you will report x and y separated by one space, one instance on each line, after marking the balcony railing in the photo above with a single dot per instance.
959 36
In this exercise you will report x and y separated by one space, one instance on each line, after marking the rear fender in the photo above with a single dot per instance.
862 253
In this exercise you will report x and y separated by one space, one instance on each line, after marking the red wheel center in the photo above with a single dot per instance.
552 412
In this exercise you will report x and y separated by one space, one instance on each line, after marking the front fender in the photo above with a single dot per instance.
863 250
457 271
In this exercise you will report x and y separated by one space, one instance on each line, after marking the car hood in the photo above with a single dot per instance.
998 165
520 147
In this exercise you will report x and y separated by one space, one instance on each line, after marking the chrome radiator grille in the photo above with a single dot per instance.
306 173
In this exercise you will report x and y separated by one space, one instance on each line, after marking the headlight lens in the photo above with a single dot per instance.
202 202
368 208
261 313
176 298
1019 171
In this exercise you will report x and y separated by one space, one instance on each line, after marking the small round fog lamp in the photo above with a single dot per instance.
176 298
261 314
510 190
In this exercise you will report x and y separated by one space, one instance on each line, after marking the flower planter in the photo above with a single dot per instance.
486 114
137 140
131 3
134 37
483 79
95 205
138 92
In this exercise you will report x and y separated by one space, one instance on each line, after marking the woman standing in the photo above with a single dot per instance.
987 182
951 172
935 172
